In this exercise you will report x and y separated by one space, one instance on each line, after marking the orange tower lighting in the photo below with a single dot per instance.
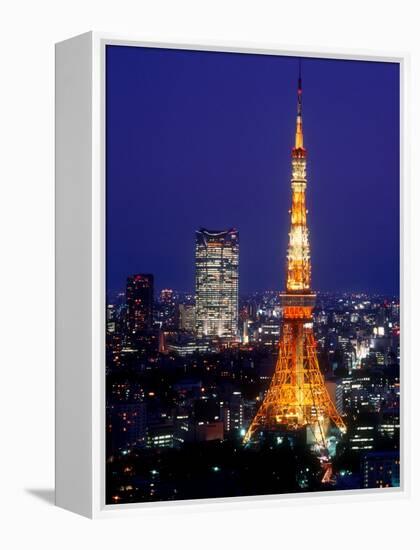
297 396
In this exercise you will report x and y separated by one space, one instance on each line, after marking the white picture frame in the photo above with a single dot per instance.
80 274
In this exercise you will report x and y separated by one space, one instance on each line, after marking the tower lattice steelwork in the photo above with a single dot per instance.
297 396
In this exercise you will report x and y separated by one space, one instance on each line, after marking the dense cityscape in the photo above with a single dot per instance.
209 394
179 400
217 393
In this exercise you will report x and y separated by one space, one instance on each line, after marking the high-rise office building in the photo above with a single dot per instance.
139 299
167 310
233 413
216 282
187 317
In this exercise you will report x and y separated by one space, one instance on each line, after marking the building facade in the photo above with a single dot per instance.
187 317
381 469
216 283
139 298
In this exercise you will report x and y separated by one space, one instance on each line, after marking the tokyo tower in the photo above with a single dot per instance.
297 396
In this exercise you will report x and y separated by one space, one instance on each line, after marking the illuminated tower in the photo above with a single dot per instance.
297 397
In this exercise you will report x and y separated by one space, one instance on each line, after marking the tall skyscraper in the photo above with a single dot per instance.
297 396
139 298
167 310
216 282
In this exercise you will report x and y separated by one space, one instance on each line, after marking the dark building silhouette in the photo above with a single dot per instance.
126 425
139 302
381 469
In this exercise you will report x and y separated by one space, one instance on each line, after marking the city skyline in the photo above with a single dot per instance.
192 291
285 391
351 127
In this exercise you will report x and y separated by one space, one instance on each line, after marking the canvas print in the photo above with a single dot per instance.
252 275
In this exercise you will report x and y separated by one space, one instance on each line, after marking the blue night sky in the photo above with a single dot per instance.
203 139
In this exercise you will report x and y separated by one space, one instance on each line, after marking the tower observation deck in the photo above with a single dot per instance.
297 396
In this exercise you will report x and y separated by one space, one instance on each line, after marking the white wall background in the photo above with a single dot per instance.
28 31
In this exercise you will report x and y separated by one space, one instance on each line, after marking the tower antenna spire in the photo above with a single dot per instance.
299 122
300 75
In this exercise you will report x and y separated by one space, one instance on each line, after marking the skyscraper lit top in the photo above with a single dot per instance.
216 282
